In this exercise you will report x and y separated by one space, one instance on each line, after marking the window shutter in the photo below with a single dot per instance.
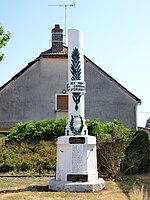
62 102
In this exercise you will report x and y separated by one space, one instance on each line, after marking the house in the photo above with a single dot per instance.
39 91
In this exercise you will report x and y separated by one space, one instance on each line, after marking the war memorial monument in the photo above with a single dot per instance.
76 167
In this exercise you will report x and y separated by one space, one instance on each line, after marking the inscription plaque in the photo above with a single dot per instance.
77 158
77 177
76 140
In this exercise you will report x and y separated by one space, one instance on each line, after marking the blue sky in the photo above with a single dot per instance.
116 38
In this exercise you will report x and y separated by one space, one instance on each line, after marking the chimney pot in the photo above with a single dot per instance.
57 26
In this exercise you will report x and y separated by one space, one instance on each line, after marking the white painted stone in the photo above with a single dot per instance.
76 159
76 167
65 186
75 41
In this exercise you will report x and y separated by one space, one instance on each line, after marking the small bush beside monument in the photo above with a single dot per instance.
112 140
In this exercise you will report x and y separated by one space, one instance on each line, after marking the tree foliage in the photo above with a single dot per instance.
38 130
28 157
112 140
137 159
119 150
4 38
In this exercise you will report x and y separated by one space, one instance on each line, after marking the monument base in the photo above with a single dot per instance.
66 186
76 167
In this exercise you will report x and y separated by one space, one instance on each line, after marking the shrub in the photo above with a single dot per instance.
137 159
6 159
93 127
112 140
28 157
38 130
113 147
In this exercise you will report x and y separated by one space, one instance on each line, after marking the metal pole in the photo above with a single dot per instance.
65 24
65 6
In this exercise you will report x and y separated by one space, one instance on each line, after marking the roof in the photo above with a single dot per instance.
64 53
46 53
52 52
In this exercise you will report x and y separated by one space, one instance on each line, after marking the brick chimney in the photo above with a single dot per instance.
57 38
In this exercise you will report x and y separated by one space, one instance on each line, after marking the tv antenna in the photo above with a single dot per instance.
64 6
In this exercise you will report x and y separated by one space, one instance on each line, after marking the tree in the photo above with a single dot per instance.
4 38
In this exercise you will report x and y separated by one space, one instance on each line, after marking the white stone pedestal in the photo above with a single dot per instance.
76 168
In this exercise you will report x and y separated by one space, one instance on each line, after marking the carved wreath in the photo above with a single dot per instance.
76 131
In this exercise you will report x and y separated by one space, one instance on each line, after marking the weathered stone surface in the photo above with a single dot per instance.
76 159
67 186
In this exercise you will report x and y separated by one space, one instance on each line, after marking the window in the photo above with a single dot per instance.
61 102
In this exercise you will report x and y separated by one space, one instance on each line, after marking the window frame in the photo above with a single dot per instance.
56 103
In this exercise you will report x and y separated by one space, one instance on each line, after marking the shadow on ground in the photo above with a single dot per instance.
33 188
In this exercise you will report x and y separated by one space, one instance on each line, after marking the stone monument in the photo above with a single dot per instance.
76 167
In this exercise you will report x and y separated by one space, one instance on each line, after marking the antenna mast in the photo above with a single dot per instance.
65 6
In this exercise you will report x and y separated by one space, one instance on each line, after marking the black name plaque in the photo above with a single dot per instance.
76 140
77 177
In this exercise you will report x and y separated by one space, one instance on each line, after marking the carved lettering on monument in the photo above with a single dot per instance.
77 158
